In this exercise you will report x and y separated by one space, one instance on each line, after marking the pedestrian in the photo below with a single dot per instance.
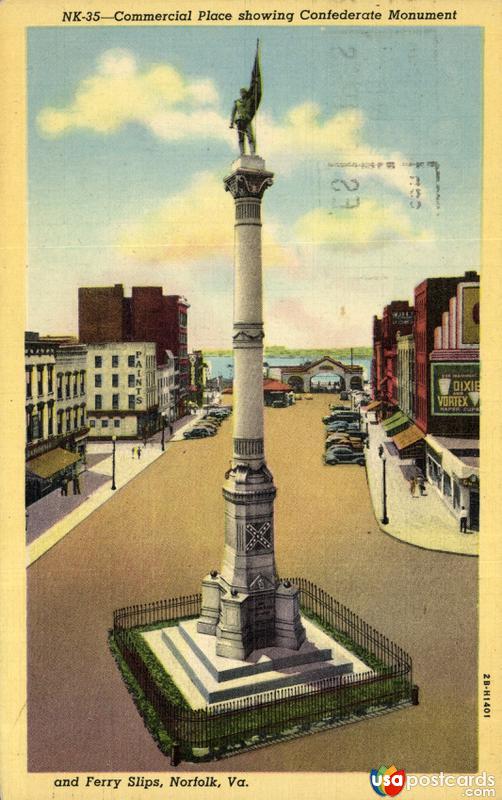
76 484
139 453
64 487
413 484
463 519
421 484
171 429
133 451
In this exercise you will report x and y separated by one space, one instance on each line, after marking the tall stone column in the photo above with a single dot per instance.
244 605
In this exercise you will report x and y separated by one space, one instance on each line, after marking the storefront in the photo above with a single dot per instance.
452 467
47 472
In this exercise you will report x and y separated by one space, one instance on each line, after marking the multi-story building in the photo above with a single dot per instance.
432 303
122 393
56 424
166 388
397 318
106 315
197 376
405 372
452 444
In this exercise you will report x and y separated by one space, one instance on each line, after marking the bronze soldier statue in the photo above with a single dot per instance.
245 108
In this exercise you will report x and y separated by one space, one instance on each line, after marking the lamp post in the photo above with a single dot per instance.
162 441
367 436
385 519
114 441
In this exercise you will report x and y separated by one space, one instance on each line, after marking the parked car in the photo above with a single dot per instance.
213 420
344 440
334 407
338 416
208 425
335 427
344 455
201 426
298 397
197 433
278 404
308 397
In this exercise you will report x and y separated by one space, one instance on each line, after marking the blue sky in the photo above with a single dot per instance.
129 141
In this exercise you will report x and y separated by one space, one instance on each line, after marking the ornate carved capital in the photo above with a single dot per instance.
243 184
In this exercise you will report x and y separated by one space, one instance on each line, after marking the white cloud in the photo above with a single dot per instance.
368 225
120 92
196 225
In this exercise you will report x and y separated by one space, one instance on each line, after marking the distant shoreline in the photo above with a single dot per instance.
279 352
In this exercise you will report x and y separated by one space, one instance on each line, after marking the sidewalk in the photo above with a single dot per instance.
421 521
52 517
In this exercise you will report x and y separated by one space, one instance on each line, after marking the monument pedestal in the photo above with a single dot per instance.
206 677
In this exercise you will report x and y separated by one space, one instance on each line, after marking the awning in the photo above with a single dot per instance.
50 463
410 436
397 424
390 421
373 405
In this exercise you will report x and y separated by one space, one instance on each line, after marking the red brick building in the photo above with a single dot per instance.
397 318
106 315
432 301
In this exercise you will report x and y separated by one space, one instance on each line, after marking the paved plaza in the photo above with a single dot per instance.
163 530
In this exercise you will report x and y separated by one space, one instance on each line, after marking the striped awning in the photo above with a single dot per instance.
51 463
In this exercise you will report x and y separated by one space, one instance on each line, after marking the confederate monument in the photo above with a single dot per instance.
245 606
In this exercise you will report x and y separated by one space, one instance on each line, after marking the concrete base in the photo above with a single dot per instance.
205 678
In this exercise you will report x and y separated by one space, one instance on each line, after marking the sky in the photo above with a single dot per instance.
373 135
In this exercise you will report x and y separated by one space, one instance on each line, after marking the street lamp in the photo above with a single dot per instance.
367 436
114 440
163 432
385 519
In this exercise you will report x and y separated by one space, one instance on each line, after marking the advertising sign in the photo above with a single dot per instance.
455 389
470 315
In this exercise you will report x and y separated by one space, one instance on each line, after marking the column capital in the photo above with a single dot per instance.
248 181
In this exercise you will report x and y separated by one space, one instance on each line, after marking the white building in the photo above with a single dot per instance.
166 388
55 406
122 393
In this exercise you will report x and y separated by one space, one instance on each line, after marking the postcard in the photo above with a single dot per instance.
250 479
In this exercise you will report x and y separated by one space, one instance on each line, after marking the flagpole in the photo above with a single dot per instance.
256 93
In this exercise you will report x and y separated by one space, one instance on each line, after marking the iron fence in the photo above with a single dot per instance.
289 709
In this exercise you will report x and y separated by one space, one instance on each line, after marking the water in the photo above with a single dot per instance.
223 365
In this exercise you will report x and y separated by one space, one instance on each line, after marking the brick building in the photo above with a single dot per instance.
397 318
106 315
432 304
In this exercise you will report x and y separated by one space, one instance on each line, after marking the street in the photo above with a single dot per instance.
158 536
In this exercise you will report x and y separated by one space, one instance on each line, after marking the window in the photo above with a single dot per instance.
115 379
115 400
50 379
116 423
132 401
82 417
82 382
40 380
104 423
67 384
130 361
98 362
92 423
130 380
68 419
60 385
115 361
75 384
28 382
98 401
60 422
98 379
50 420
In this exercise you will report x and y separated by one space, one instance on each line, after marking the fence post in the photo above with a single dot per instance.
175 754
414 695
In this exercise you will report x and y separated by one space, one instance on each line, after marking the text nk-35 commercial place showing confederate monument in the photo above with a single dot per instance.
255 658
